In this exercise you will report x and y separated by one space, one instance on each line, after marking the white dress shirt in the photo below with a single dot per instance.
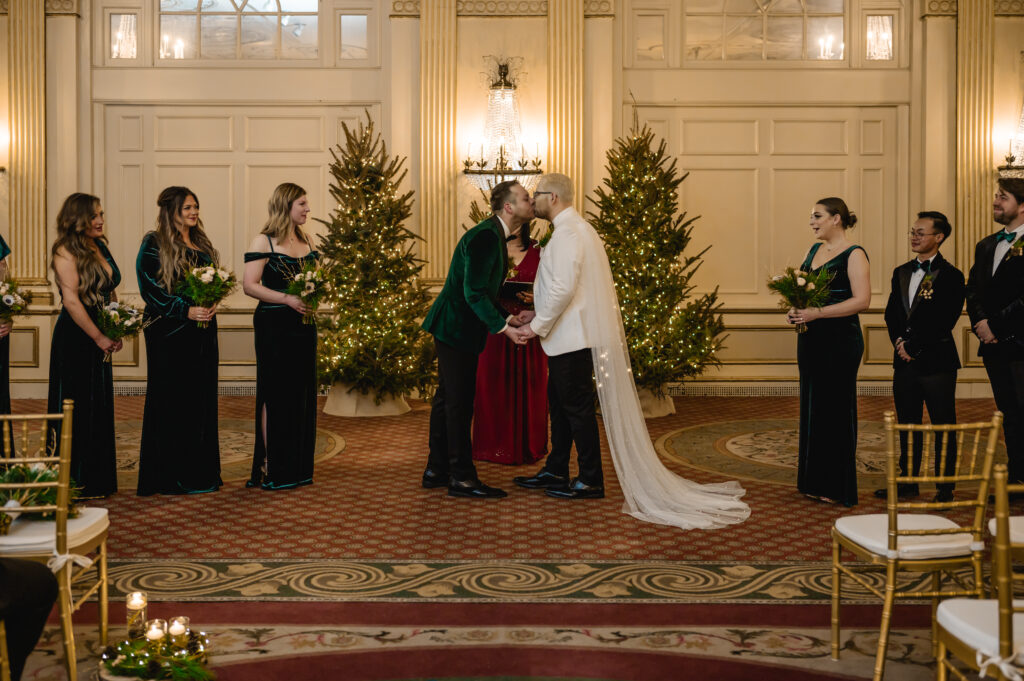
1003 247
916 278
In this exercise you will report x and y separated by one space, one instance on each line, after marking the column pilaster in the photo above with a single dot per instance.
974 89
26 47
565 92
438 164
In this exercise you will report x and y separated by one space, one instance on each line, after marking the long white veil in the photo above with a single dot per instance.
653 493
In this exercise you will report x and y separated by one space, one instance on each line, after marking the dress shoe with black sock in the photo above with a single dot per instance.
474 489
904 490
542 480
577 490
433 479
943 496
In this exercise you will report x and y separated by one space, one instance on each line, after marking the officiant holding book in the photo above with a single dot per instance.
510 416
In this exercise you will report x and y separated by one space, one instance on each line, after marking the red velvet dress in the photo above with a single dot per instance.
510 414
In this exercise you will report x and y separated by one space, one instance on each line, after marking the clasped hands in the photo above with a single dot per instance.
809 314
984 333
202 314
518 329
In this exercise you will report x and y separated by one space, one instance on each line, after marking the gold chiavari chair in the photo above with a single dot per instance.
986 635
62 543
5 661
909 539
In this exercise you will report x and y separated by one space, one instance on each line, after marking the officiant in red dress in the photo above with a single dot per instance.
510 423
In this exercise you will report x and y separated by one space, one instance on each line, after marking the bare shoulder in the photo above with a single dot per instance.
859 255
62 255
260 244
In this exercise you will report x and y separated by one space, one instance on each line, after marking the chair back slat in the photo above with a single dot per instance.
28 452
938 444
1003 549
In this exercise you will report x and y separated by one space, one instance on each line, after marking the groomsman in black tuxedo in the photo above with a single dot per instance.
925 302
995 303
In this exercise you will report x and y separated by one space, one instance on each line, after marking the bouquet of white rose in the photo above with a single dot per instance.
310 285
12 300
207 286
801 290
117 321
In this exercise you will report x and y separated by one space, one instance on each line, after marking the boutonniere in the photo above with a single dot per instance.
512 272
1016 248
547 236
926 288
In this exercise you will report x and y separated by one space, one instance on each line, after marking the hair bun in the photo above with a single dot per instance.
853 219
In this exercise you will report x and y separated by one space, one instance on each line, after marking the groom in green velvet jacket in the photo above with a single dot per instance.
464 313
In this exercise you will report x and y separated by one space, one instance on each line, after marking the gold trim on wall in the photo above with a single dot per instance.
34 362
868 359
133 344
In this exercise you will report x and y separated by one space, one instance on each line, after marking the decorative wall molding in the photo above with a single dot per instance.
50 7
518 8
1009 8
940 8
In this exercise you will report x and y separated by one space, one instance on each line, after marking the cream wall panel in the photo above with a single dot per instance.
718 138
284 133
25 350
193 133
129 133
735 225
236 344
130 212
872 138
759 345
877 346
874 204
804 138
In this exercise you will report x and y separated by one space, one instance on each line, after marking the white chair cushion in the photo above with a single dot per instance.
1016 528
976 623
872 532
30 537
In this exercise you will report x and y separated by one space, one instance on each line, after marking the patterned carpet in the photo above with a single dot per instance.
365 533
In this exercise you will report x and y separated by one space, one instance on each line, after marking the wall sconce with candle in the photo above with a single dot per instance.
1015 156
503 155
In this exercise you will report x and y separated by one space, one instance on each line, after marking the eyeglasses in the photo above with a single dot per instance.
536 194
921 234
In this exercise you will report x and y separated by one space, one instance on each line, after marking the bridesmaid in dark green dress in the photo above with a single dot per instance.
180 453
87 276
285 346
829 355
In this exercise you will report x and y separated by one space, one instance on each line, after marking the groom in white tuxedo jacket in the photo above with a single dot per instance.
560 304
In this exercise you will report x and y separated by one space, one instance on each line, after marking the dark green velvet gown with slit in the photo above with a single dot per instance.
78 372
285 382
180 453
829 356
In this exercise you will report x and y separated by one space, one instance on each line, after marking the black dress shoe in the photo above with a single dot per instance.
542 480
577 490
943 496
433 479
904 490
474 489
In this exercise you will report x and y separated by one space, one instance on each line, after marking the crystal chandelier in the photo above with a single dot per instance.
503 156
1015 157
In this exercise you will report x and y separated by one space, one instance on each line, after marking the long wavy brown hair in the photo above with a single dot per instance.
174 258
280 208
73 221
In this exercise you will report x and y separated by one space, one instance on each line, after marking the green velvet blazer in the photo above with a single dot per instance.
467 308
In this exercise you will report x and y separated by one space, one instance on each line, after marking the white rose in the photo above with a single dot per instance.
114 316
800 281
777 278
224 274
131 321
309 276
206 277
4 288
810 287
298 277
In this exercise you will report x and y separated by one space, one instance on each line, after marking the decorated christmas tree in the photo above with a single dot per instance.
671 334
372 341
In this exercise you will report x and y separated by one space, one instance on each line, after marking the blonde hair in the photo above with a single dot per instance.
73 220
171 245
280 209
558 184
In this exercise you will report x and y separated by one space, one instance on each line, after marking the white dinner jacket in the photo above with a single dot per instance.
560 302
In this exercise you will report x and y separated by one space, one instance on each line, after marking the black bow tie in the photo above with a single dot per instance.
926 266
1008 237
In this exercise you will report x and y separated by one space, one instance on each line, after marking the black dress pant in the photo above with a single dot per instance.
912 391
27 593
571 399
451 414
1006 374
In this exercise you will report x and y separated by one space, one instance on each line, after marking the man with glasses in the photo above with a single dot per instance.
926 298
995 303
